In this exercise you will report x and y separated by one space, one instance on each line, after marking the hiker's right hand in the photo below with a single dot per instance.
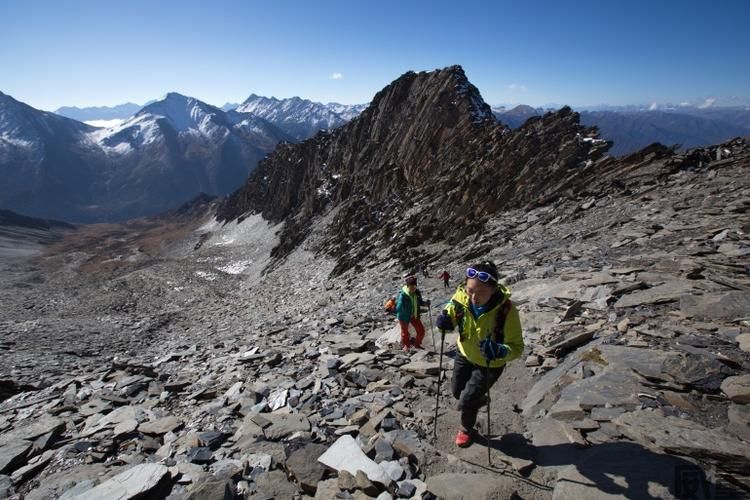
444 321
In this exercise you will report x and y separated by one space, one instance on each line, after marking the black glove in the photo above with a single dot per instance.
427 302
491 350
444 321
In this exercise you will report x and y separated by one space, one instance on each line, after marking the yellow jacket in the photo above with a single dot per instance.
475 330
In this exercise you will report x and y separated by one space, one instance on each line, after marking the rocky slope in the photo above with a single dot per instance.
183 357
194 374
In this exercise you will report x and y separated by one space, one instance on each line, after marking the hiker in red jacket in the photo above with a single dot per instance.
446 278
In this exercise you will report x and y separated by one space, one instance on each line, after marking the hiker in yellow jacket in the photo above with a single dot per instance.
489 333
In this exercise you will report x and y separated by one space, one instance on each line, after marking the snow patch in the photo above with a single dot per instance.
104 123
235 267
206 276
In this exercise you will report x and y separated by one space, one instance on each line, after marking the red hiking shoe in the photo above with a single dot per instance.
463 439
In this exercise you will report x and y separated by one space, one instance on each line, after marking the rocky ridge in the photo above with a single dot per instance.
429 142
199 376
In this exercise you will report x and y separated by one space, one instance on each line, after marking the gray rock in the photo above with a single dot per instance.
29 432
600 414
227 468
365 485
282 425
13 455
34 466
727 306
346 455
6 488
213 489
262 460
383 450
275 484
470 486
671 291
406 489
422 368
684 437
739 421
327 489
744 341
737 388
393 469
160 426
610 387
406 444
137 482
199 455
305 468
211 439
699 370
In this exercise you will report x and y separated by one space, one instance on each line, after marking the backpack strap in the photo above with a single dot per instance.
502 314
460 313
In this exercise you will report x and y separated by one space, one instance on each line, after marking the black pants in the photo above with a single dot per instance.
469 386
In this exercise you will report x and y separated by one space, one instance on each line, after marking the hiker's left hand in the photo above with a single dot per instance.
492 350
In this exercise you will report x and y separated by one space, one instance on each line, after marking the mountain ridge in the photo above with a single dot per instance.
164 155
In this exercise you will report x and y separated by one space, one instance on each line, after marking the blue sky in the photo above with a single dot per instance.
581 52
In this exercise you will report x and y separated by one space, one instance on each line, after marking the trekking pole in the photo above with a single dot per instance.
487 382
440 378
432 329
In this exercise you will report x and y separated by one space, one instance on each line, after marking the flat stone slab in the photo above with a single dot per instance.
345 454
137 482
670 291
282 425
737 388
726 306
470 486
422 368
685 437
33 430
739 421
617 388
744 341
160 426
13 455
274 484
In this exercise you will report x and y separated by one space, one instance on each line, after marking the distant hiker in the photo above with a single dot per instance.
425 271
407 311
446 277
489 333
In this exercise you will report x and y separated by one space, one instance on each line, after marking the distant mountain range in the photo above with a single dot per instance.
165 154
300 118
633 128
119 112
297 117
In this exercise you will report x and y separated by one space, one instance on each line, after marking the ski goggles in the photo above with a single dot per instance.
480 275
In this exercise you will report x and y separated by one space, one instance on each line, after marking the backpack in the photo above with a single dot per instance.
390 305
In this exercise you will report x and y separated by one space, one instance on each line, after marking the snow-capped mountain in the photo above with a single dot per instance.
300 118
167 153
347 111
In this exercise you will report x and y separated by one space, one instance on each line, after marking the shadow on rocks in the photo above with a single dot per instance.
619 468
